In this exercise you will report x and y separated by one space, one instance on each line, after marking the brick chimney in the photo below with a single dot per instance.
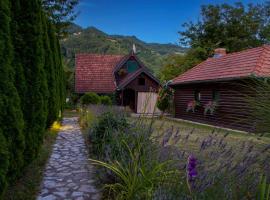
219 52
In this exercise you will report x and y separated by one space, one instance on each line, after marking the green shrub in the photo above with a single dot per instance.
102 131
105 100
90 98
129 159
165 98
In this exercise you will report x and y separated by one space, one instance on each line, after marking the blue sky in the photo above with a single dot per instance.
149 20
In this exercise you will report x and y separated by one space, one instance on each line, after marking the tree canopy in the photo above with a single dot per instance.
61 12
234 27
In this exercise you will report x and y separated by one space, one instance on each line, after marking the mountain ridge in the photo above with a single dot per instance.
93 40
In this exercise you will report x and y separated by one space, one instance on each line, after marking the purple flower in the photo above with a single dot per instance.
191 171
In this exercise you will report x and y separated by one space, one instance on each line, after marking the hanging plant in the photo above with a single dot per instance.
165 97
122 72
192 105
210 107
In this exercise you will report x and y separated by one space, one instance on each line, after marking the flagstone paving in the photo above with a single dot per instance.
68 174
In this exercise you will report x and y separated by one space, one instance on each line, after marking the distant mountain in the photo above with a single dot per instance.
92 40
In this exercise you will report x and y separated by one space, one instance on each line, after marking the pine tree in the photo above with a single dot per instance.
11 119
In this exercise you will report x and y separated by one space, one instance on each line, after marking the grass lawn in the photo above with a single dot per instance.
197 133
27 187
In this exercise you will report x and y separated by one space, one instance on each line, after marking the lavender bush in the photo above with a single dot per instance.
206 167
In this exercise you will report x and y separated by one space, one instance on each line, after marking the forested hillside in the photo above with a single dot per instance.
92 40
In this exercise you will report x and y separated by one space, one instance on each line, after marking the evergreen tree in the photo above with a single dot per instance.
35 112
11 119
4 163
48 40
18 46
55 56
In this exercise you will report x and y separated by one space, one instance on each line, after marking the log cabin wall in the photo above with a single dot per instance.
232 111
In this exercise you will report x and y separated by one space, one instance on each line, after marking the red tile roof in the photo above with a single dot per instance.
255 61
95 73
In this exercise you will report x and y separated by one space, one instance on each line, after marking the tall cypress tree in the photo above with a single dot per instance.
11 119
4 162
58 68
35 112
18 46
50 65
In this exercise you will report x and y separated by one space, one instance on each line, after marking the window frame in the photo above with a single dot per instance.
215 95
197 95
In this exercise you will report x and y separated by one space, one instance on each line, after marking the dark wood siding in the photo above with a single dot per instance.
150 84
232 111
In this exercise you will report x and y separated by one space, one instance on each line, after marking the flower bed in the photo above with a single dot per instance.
135 163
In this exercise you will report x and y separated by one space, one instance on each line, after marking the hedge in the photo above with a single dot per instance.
31 84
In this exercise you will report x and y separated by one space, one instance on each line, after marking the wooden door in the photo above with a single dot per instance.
146 102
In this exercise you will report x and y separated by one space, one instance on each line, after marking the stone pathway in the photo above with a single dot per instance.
68 174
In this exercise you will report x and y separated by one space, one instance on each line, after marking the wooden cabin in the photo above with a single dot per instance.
124 76
214 92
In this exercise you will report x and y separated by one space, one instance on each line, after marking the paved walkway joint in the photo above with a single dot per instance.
68 174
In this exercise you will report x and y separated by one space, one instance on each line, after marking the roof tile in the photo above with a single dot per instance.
95 73
255 61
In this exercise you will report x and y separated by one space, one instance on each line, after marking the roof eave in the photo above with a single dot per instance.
214 80
143 70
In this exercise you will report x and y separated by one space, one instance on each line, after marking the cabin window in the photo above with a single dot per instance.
141 81
197 95
215 95
132 66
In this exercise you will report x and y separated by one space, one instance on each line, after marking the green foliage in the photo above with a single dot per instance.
35 108
105 100
138 179
27 82
102 131
4 163
49 67
90 98
175 65
132 169
264 189
61 13
11 119
165 97
28 185
234 27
